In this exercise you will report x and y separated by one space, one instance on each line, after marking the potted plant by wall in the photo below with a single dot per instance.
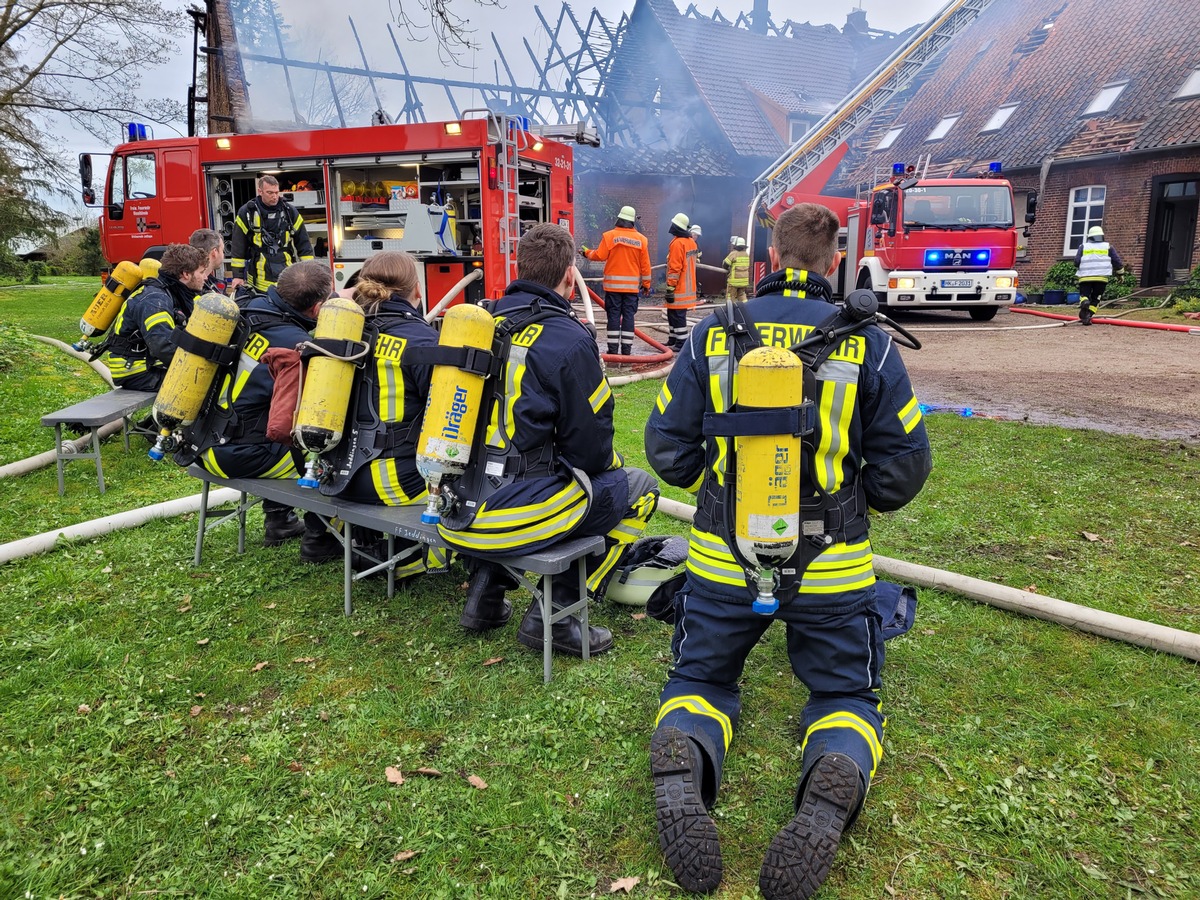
1060 279
1033 292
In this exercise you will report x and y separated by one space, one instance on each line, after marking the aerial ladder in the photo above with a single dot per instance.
824 145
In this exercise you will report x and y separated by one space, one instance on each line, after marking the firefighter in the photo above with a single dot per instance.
681 281
547 468
390 397
238 446
868 450
737 264
625 252
142 341
209 243
1095 262
268 236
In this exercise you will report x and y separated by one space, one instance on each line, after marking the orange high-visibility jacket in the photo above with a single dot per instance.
681 272
626 254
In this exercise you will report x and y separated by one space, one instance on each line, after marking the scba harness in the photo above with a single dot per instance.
826 517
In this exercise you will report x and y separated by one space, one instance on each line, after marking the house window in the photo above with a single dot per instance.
1000 117
1105 99
1086 209
889 138
798 127
942 128
1191 87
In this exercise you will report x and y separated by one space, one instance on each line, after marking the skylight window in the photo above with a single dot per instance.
889 138
1000 117
942 128
1191 87
1106 98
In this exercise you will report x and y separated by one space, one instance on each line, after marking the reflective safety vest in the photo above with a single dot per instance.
1095 261
626 254
681 272
738 264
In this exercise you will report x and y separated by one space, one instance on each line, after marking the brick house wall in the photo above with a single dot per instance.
1129 198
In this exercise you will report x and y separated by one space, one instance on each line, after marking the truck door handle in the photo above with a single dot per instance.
152 225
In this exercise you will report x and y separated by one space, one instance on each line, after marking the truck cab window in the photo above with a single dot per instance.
140 176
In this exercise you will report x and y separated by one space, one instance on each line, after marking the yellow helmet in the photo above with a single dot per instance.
680 221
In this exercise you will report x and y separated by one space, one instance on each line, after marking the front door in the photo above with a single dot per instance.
133 213
1172 230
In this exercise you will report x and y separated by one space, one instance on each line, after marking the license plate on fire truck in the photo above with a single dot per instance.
956 282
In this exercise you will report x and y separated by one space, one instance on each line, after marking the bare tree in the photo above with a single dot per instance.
451 31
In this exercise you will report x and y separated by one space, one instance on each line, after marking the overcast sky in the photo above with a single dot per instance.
314 21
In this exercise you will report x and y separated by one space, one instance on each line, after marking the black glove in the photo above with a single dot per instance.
669 297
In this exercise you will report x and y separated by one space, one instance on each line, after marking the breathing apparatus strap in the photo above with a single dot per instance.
221 354
473 360
355 352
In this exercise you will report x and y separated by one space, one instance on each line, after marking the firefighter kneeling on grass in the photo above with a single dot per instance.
234 442
547 468
867 449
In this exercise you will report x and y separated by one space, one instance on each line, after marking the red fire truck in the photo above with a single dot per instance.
455 194
929 243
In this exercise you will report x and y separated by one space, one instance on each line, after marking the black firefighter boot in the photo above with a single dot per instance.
319 544
279 525
486 607
566 636
687 834
801 854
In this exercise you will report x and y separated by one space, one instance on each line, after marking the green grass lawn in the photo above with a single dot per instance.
224 731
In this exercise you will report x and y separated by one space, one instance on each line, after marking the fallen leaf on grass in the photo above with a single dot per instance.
258 667
201 694
84 709
356 634
270 606
323 716
1091 537
187 607
295 767
493 660
425 770
624 884
305 659
1053 557
476 782
928 631
170 773
393 775
202 642
107 570
637 617
196 710
1030 588
1186 544
404 855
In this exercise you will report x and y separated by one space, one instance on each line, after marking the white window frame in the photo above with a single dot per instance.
1190 87
1000 117
1083 196
1103 101
890 138
805 123
942 128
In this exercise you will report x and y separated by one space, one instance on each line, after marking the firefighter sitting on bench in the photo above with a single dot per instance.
547 469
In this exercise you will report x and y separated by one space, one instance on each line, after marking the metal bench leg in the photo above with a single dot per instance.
203 518
242 522
585 634
125 431
547 626
391 553
96 451
59 460
347 555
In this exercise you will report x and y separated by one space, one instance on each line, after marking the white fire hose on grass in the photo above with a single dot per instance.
1081 618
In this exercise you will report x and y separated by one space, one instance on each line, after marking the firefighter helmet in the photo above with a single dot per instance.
648 564
627 214
680 221
1095 232
695 231
739 243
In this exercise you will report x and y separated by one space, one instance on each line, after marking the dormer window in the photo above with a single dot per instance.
889 138
1106 98
1191 87
943 128
1000 117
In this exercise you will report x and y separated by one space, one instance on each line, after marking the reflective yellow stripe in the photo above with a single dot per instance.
854 723
697 705
558 526
843 567
242 225
119 368
514 375
159 318
285 468
386 479
664 399
695 485
208 459
600 396
910 415
709 558
570 493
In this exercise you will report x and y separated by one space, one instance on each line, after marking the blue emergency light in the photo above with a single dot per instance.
945 258
136 131
995 168
897 168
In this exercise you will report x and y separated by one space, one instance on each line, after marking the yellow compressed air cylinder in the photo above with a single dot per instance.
107 303
767 507
189 376
455 398
149 267
324 402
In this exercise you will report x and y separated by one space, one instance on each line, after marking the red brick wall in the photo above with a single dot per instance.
1127 207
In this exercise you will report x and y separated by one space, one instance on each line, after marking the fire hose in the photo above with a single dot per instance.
1104 320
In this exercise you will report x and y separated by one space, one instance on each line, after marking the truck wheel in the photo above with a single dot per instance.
983 313
864 284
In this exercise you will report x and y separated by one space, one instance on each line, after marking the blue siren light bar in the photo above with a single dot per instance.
897 168
944 259
995 168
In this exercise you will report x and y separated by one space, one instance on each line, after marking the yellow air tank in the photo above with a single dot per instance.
325 399
107 303
453 408
767 500
190 375
149 267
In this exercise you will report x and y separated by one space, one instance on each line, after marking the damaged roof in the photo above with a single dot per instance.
1052 62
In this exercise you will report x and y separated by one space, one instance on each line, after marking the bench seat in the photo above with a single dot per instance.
93 414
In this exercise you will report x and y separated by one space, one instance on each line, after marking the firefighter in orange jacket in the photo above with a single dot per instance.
681 281
625 252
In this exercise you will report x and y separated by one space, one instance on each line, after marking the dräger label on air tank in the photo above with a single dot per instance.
455 414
